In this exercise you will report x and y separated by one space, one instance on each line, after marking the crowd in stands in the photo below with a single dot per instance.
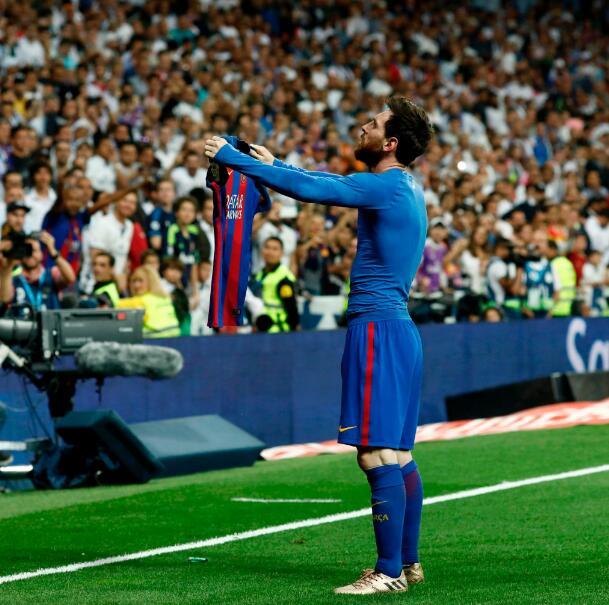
104 108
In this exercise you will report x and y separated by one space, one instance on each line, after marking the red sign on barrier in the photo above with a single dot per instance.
557 416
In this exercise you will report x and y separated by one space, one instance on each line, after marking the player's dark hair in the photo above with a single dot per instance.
410 125
273 238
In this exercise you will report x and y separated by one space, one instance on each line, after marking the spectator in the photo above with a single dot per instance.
520 148
139 244
492 315
273 225
190 176
16 213
151 259
112 233
475 258
275 284
207 224
69 217
577 255
597 229
162 216
127 168
313 255
595 280
565 281
100 168
184 241
539 287
430 277
22 152
105 289
199 315
172 271
502 278
160 320
41 197
36 288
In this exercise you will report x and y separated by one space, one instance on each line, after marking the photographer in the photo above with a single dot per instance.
538 279
34 285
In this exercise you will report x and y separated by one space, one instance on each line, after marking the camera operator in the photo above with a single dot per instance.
538 279
503 279
34 286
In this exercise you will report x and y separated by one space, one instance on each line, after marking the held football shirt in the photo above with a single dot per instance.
237 198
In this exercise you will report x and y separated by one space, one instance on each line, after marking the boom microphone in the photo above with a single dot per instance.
114 359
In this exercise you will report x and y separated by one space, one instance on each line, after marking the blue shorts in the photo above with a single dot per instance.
381 372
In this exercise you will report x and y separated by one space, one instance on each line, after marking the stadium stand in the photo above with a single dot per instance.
108 103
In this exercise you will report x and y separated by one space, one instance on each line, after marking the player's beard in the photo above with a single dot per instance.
370 153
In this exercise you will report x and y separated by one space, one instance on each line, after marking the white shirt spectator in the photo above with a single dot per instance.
185 182
101 174
109 234
30 52
208 230
39 206
470 266
187 109
166 156
286 234
599 235
497 270
198 316
379 88
592 277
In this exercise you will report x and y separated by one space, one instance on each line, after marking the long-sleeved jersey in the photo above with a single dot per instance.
392 226
237 199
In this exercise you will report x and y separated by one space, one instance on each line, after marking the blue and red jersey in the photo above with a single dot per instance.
67 231
237 198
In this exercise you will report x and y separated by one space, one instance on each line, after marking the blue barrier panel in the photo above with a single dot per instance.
286 388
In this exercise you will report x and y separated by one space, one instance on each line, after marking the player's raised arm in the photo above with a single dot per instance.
259 152
356 191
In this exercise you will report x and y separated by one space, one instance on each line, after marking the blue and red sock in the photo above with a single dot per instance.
412 514
388 501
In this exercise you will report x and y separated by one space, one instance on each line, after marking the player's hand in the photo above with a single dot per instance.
262 153
213 145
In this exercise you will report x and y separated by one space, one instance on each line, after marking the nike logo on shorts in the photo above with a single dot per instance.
342 429
379 502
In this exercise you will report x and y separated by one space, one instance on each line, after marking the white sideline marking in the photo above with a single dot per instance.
275 529
288 500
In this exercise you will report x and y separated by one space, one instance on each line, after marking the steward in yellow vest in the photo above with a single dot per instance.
565 282
105 288
107 292
160 320
276 285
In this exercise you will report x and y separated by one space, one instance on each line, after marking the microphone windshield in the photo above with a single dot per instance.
114 359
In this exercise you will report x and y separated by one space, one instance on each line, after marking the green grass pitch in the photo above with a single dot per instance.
544 544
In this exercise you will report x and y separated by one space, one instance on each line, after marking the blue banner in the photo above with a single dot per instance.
285 388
